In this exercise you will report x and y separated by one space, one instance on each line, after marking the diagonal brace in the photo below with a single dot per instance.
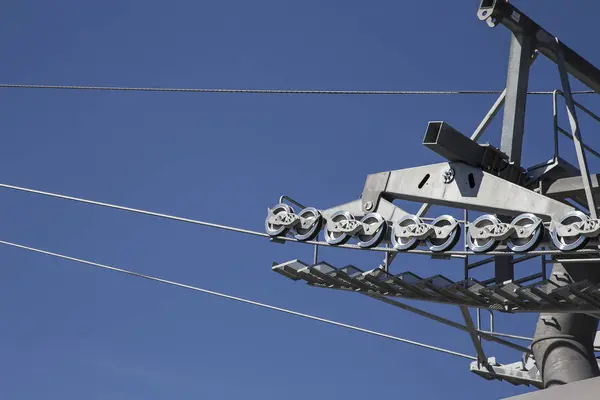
482 359
446 321
575 131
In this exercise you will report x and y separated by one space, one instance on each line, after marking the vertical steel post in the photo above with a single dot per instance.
555 122
544 271
504 269
513 122
465 247
386 261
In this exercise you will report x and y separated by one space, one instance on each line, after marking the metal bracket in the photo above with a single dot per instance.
374 187
385 208
573 188
587 228
419 231
471 188
516 373
454 146
286 219
350 227
501 11
501 231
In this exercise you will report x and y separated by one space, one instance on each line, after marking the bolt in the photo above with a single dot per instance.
448 175
368 206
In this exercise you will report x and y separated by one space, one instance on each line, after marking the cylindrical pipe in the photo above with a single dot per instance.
563 344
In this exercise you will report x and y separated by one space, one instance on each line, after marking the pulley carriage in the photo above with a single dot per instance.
546 210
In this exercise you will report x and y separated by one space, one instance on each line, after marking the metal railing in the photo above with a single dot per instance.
558 129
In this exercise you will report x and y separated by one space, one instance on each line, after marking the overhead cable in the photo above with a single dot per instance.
269 91
135 210
174 217
450 253
239 299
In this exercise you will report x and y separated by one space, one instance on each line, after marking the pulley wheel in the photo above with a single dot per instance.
569 243
485 244
438 244
527 220
309 232
404 243
277 229
375 238
337 238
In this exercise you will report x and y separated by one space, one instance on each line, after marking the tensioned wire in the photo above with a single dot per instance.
269 91
238 299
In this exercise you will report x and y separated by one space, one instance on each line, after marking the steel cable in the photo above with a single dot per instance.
269 91
238 299
450 253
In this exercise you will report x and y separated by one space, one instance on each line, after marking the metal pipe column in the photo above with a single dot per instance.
563 344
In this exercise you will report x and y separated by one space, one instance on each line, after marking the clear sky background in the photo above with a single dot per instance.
74 332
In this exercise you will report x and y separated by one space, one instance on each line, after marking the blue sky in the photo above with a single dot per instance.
73 332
